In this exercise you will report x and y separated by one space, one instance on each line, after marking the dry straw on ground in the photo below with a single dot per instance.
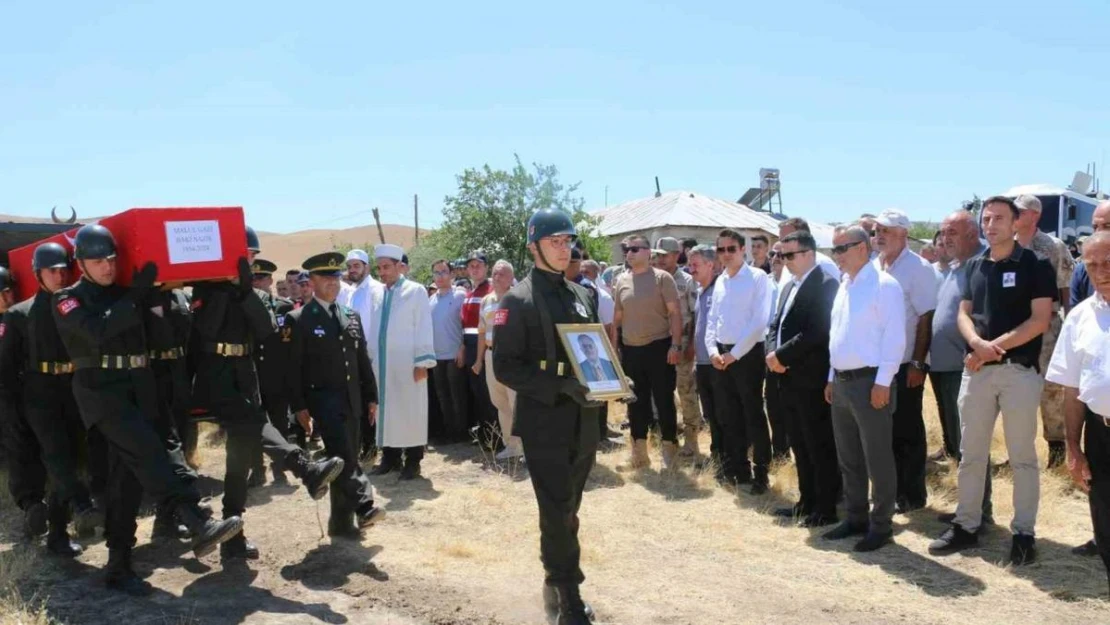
462 547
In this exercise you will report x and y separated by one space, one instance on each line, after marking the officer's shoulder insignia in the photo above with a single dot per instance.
67 304
501 317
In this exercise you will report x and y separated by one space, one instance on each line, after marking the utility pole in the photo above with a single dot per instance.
416 219
378 222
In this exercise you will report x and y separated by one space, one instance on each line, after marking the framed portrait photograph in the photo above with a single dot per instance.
594 360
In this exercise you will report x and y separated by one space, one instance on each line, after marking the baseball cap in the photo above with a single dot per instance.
668 245
1028 203
893 218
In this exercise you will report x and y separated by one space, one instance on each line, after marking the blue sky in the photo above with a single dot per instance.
307 116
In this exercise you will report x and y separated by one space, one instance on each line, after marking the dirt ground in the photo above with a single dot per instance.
461 547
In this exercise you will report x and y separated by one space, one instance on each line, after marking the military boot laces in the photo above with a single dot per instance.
208 533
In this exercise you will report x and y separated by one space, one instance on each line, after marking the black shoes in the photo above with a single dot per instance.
411 471
208 533
565 605
1023 550
238 547
318 475
845 530
370 517
817 520
34 519
384 468
59 544
873 541
120 577
954 539
1087 550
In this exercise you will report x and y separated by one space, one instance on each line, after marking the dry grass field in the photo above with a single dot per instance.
461 547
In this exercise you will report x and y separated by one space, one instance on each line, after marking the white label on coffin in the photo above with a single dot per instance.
193 241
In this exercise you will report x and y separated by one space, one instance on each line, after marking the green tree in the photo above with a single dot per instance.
491 208
923 230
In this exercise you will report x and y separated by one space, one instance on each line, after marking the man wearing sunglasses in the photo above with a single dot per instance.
734 336
827 265
867 337
647 314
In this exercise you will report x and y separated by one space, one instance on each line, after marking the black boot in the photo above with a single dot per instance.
342 525
760 481
239 547
34 519
119 575
167 527
551 603
572 610
316 475
208 533
369 516
411 470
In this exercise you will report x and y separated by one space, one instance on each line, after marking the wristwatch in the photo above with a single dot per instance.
676 348
920 366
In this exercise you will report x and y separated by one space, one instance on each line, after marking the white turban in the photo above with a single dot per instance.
360 255
388 250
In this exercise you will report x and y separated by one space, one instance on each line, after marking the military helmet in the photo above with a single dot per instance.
550 222
50 256
94 242
7 280
252 241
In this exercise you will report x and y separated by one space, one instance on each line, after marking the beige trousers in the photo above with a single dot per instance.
504 400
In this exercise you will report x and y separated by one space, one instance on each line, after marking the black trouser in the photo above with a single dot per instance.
908 436
707 392
946 390
52 414
26 472
741 416
351 491
1096 446
451 388
484 413
392 456
780 427
653 380
558 474
811 437
170 377
603 421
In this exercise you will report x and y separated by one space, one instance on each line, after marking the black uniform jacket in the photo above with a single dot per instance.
523 337
805 330
96 321
272 353
169 320
28 337
327 356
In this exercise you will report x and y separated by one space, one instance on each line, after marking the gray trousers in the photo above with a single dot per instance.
865 450
1015 391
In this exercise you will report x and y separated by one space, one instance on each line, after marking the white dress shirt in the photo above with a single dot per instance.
824 262
739 310
868 325
790 301
918 280
1082 356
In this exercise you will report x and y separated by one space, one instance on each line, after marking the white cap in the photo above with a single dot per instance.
360 255
388 250
893 218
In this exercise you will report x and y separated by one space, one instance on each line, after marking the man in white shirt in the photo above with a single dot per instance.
1081 364
918 280
867 338
734 334
827 265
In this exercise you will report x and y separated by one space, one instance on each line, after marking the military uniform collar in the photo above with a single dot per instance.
551 278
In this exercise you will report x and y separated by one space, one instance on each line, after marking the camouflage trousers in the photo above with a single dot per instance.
688 400
1052 397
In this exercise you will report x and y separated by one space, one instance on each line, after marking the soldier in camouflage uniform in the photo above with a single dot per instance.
1048 246
686 382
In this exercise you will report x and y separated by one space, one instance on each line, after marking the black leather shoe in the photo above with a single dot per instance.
1023 550
551 603
166 527
845 530
318 475
369 518
817 520
239 547
34 519
383 468
793 512
61 545
210 533
873 541
1087 550
954 539
120 577
411 471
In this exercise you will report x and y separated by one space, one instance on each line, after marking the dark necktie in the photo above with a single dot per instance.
335 320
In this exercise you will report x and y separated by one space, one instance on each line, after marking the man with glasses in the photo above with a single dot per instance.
734 335
1005 309
867 338
798 350
918 280
648 316
1030 236
826 264
448 377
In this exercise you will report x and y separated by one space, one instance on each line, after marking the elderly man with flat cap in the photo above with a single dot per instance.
332 387
399 334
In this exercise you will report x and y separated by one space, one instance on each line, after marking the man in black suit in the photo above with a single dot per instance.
798 349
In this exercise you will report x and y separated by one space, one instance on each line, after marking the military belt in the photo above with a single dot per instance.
169 354
558 368
134 361
228 350
54 368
